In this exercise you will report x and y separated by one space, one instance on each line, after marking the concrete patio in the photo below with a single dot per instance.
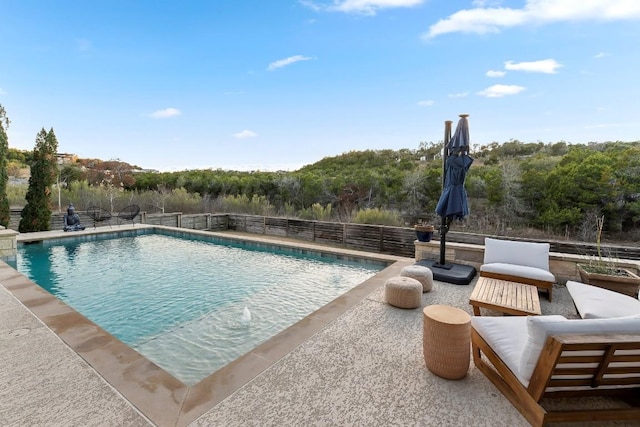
363 367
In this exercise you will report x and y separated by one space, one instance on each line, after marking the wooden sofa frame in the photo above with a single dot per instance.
527 399
540 284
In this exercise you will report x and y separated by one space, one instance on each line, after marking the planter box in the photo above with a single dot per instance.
627 285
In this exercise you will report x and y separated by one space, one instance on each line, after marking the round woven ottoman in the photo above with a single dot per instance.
446 340
403 292
421 274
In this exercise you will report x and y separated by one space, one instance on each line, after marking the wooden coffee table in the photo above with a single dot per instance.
505 297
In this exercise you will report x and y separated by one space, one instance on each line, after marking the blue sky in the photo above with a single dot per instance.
268 85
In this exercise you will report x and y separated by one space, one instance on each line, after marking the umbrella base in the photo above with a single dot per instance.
456 274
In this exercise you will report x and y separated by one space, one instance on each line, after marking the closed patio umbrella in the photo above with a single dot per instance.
453 200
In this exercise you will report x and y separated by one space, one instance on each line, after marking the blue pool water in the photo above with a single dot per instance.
181 302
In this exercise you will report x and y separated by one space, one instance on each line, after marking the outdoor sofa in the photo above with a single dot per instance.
543 357
522 262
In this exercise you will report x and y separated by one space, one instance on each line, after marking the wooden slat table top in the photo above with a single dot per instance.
504 296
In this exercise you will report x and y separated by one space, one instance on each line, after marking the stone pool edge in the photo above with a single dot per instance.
156 394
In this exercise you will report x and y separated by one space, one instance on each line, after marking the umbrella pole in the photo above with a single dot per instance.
444 226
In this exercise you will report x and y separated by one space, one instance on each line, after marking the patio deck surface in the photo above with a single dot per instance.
366 367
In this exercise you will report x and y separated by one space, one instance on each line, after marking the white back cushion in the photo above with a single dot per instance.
519 253
540 327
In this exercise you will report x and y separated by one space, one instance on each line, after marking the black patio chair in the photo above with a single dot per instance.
98 215
129 213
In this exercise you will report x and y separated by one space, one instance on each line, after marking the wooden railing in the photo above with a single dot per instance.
374 238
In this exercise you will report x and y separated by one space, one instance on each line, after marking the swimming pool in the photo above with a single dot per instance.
169 297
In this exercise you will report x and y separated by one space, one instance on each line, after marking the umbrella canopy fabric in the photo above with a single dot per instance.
460 140
453 200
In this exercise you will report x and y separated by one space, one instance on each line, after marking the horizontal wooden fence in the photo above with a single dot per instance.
372 238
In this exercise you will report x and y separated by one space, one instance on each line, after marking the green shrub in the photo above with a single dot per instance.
317 212
288 210
182 201
257 205
80 194
378 217
16 194
36 214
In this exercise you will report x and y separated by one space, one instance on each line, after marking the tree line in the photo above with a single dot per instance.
553 188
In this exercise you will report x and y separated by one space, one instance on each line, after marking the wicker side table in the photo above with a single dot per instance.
446 341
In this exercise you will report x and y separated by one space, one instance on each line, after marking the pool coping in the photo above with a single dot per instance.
160 397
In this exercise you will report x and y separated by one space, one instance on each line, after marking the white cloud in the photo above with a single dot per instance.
482 20
498 91
426 103
2 92
166 113
600 55
459 95
546 66
245 134
485 3
311 5
493 73
287 61
365 7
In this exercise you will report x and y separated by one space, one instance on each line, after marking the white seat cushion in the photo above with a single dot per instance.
593 302
507 336
540 327
519 271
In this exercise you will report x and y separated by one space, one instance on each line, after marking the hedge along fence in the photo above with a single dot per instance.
373 238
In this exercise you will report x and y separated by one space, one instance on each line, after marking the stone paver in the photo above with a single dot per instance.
46 384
